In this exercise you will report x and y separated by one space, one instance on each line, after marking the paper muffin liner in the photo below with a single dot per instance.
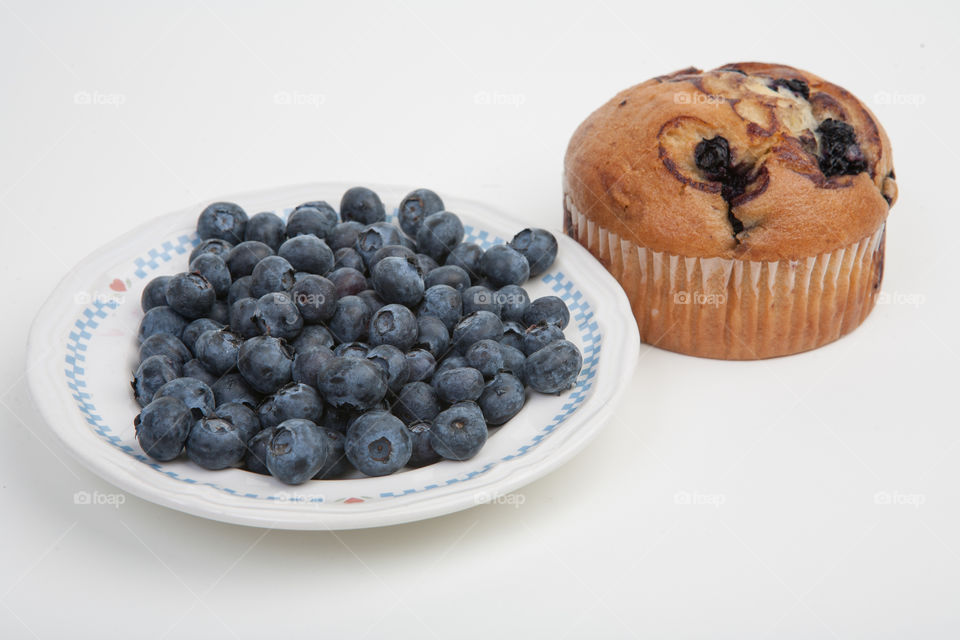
738 309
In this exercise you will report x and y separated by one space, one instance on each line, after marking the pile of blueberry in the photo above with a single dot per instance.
309 348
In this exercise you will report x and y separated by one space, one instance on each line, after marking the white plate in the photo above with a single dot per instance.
82 350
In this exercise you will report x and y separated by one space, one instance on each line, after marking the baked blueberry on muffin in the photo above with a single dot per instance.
742 209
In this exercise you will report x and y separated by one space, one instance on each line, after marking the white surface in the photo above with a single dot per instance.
795 449
516 454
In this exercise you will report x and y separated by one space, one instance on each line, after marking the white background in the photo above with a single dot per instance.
814 496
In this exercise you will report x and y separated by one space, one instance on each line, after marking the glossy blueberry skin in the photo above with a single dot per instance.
398 280
378 444
256 458
153 373
363 205
393 324
336 463
514 301
297 451
344 235
164 344
554 368
195 369
376 236
513 333
243 317
242 287
194 393
458 384
307 253
538 246
417 205
315 297
348 257
513 361
444 302
213 245
266 227
215 443
306 366
214 270
416 401
348 383
479 298
426 263
432 335
540 335
154 294
190 294
451 361
347 281
502 266
196 327
502 398
295 400
242 417
467 255
270 275
356 350
244 257
450 275
420 365
548 309
233 388
393 364
278 316
312 338
486 356
422 452
162 428
372 299
265 363
477 326
351 319
391 251
458 433
218 350
312 218
224 220
439 233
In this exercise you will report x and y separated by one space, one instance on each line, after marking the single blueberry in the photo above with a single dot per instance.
839 152
356 350
378 444
393 324
256 458
444 302
266 227
243 317
348 383
194 393
295 400
336 463
244 257
242 287
297 451
538 246
154 294
215 443
540 335
218 350
312 218
450 275
502 398
215 271
213 245
265 363
458 384
398 280
224 220
190 294
348 257
164 344
351 319
307 253
432 335
426 263
347 281
392 362
363 205
458 433
234 388
270 275
438 234
372 299
162 428
417 205
391 251
376 236
420 365
315 297
220 312
416 401
503 265
451 361
548 309
242 417
486 356
514 301
195 369
513 360
306 366
196 327
513 333
153 373
467 256
554 368
278 316
344 235
422 452
475 327
313 337
477 298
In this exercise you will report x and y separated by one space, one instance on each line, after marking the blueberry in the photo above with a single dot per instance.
796 85
451 361
215 444
432 335
291 401
347 281
450 275
339 420
712 157
467 256
376 236
393 324
312 218
348 383
514 301
540 335
270 275
420 365
486 356
502 398
153 373
244 257
372 299
538 246
503 265
425 262
398 280
439 234
242 287
351 319
162 428
477 298
234 388
458 433
297 451
218 350
363 205
154 294
444 302
220 312
215 271
164 344
355 350
422 452
336 463
348 257
391 251
312 338
190 294
242 417
195 369
306 366
378 444
193 330
266 227
224 220
416 401
265 363
344 235
513 333
256 458
307 253
315 297
194 393
549 310
243 317
215 246
458 384
392 363
513 360
416 206
475 327
553 368
839 152
278 316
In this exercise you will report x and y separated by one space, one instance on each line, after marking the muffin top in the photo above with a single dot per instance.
752 161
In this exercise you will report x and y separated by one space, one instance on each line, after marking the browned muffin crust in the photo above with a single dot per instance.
632 167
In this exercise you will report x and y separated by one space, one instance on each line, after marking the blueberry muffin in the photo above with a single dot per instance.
742 209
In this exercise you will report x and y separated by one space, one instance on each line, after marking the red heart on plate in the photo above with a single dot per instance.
117 285
352 500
